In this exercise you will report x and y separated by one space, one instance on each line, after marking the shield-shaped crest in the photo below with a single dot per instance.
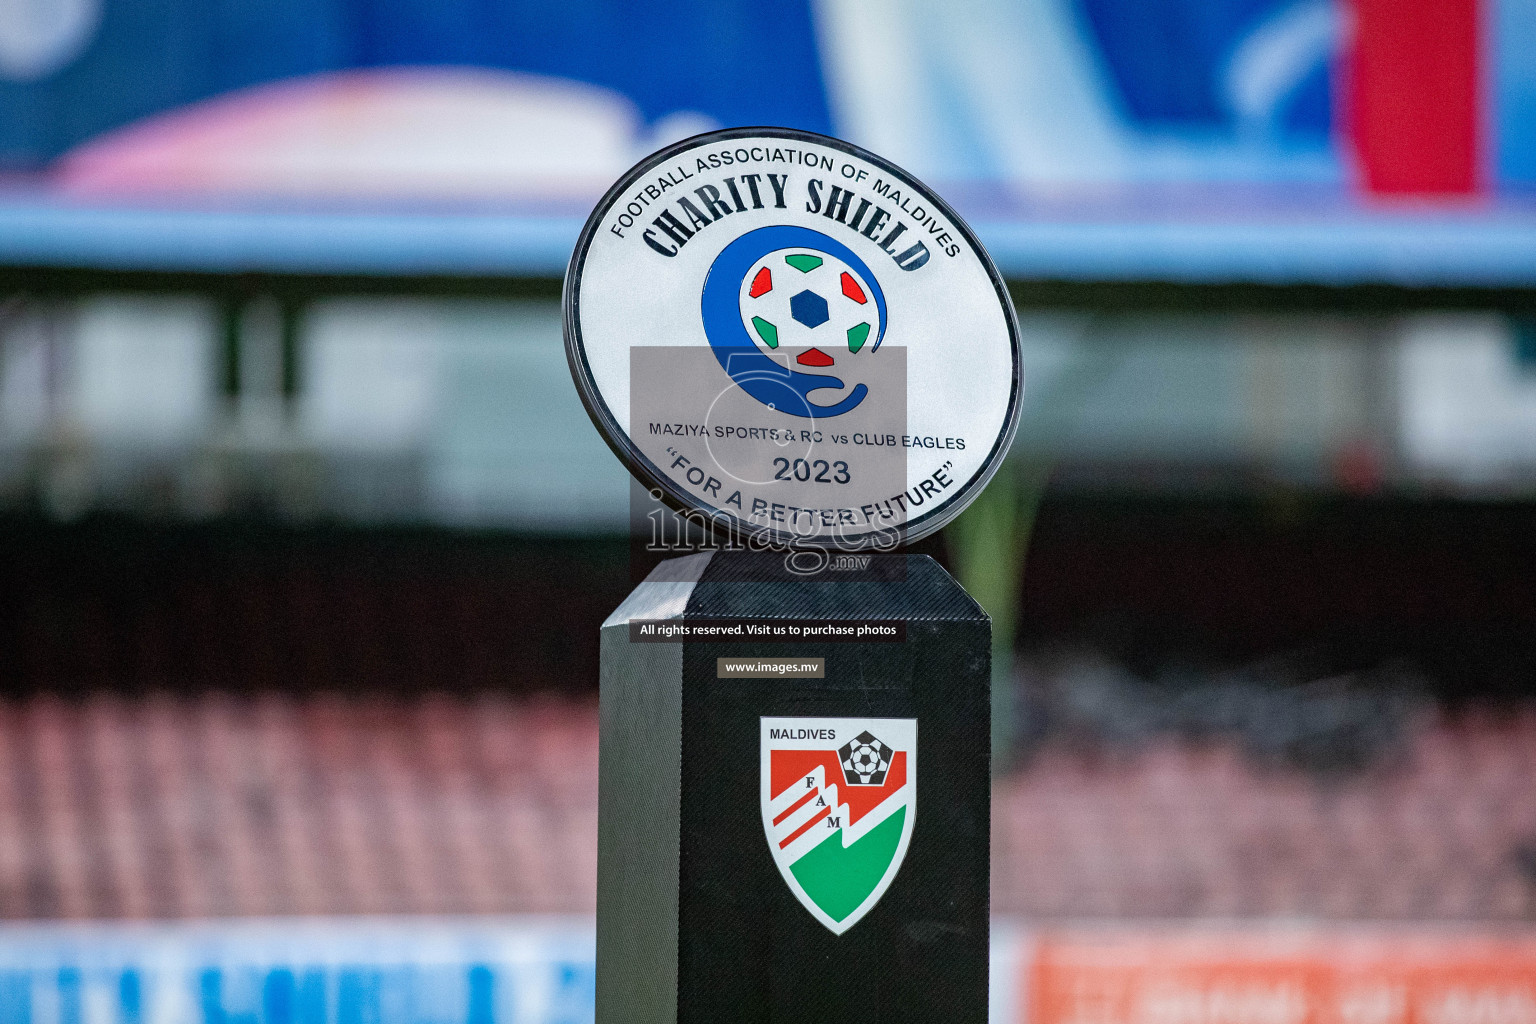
839 798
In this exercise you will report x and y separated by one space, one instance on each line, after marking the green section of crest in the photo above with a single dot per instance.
857 336
766 331
838 880
802 262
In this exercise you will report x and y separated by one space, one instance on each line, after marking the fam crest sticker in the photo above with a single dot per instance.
839 803
794 339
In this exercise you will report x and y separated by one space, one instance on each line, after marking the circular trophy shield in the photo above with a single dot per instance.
794 340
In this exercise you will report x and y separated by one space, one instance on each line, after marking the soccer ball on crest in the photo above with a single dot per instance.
865 760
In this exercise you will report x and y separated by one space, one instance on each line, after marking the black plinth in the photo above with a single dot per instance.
696 922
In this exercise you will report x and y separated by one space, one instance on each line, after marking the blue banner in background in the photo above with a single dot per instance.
1197 91
524 970
1154 140
100 64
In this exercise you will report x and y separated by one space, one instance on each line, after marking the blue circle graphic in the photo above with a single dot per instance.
765 380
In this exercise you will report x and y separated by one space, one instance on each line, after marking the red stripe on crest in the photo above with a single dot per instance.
863 799
851 288
796 805
763 283
792 766
803 829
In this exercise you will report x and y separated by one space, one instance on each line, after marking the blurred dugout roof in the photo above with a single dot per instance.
1274 141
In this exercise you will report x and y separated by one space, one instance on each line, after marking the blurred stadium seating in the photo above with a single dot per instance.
271 804
1441 831
218 806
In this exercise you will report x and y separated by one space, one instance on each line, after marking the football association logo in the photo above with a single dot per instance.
792 341
791 314
839 799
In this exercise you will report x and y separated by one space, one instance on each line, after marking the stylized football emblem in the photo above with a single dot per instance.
810 306
794 316
865 761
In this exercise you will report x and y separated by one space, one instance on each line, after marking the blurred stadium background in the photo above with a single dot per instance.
306 536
